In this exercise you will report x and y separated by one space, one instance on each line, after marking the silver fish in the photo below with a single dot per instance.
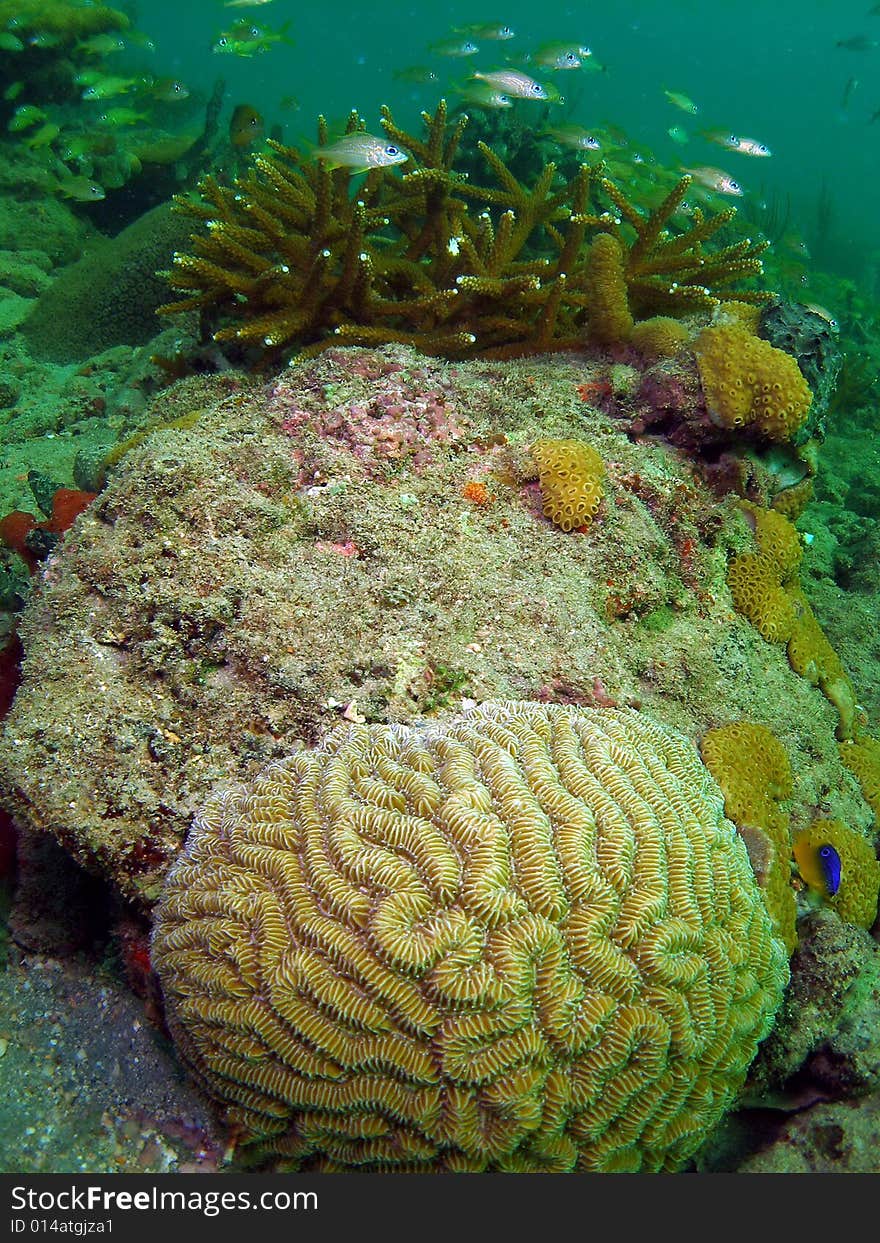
359 152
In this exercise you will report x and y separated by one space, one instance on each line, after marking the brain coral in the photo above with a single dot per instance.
524 940
748 382
571 481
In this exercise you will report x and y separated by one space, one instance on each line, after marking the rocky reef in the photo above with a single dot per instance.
363 537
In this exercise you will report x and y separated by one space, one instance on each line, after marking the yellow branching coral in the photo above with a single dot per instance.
571 474
525 940
858 885
751 766
669 272
747 382
425 256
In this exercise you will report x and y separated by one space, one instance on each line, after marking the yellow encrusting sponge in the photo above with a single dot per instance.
747 382
855 900
752 768
571 474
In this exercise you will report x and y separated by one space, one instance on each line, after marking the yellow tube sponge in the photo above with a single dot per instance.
751 766
855 899
526 939
610 319
571 474
747 382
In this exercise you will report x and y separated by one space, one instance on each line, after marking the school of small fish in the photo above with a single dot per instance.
552 86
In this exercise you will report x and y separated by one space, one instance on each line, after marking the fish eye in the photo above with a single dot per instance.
507 32
732 138
570 58
537 88
734 185
392 150
222 41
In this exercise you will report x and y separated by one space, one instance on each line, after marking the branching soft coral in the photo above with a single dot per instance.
669 273
425 257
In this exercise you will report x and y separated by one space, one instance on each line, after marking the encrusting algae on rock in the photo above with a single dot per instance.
524 940
752 768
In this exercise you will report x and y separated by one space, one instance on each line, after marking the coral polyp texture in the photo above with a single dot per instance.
526 939
749 384
752 768
765 589
856 898
292 258
571 473
862 757
61 18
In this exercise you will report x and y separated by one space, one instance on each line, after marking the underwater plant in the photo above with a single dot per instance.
290 258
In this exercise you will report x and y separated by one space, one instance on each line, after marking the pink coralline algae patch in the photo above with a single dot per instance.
345 548
401 414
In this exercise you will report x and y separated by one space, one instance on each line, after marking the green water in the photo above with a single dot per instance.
770 71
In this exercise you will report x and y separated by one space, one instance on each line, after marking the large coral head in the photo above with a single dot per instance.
524 940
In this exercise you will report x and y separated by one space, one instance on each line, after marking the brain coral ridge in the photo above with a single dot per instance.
524 940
